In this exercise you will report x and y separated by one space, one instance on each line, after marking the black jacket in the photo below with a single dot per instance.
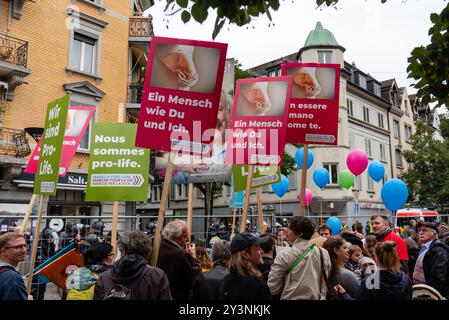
265 267
436 267
236 287
134 272
390 286
180 267
206 285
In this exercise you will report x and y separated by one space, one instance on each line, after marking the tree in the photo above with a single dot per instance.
429 65
444 127
428 175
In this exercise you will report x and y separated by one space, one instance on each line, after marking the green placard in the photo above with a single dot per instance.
262 176
46 178
118 171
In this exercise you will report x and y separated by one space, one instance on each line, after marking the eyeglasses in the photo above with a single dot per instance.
18 247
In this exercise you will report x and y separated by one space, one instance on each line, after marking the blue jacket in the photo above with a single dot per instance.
12 286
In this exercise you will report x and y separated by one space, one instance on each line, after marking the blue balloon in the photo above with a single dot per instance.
281 187
321 177
394 194
376 170
299 155
335 225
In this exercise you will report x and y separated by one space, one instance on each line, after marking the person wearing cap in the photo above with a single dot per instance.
244 281
432 264
297 272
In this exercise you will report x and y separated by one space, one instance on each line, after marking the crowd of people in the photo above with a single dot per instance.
302 261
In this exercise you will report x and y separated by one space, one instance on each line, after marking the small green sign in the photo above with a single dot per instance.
262 176
118 171
46 178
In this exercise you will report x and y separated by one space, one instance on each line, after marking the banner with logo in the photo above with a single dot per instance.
49 161
181 95
197 169
259 121
314 104
118 171
262 176
78 119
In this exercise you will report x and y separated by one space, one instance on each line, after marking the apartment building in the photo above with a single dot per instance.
48 48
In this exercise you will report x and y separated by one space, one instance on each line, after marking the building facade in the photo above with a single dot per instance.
49 48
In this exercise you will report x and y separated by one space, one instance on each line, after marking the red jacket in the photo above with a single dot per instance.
401 246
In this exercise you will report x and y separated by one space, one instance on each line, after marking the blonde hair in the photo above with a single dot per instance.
203 257
353 249
243 266
387 256
9 236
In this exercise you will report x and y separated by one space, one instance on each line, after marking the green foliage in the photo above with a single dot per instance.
430 65
428 177
444 127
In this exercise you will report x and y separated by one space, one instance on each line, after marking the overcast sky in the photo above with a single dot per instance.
377 37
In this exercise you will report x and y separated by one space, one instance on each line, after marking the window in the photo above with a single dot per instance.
333 172
370 183
156 194
272 73
292 181
398 155
377 89
350 107
362 81
324 56
393 98
380 118
396 129
408 132
368 147
180 192
83 54
365 114
382 152
85 140
85 43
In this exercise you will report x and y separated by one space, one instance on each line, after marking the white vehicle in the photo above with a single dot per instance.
405 215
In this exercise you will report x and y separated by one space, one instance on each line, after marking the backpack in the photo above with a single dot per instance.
74 294
119 292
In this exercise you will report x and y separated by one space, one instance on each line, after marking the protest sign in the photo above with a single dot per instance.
204 169
118 171
259 121
262 176
48 165
78 118
314 104
181 95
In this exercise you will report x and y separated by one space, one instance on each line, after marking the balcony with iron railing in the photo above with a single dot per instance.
13 50
134 93
13 63
14 142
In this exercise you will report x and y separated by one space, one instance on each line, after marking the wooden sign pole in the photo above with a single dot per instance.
115 207
36 237
247 198
190 210
260 211
234 212
28 213
161 215
303 180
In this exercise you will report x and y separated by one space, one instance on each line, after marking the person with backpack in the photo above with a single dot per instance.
300 272
13 250
131 277
432 264
81 282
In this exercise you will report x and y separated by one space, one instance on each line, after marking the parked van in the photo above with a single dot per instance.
405 215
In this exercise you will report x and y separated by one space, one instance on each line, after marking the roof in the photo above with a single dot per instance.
320 37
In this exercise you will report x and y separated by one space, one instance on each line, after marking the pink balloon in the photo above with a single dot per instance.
357 161
308 199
